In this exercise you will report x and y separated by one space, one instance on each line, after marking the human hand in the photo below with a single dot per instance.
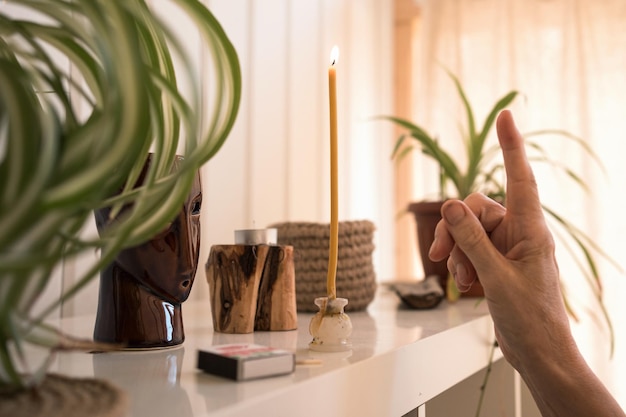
510 249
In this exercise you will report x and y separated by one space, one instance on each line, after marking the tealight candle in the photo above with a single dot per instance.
256 236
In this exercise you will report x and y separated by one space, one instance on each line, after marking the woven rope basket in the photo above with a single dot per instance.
355 280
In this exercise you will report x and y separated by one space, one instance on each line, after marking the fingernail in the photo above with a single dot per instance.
453 212
433 245
462 276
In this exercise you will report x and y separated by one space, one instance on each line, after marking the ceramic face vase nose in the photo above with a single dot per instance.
141 292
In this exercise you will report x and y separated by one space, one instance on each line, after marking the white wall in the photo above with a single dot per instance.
275 164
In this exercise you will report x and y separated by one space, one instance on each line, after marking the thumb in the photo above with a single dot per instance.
470 236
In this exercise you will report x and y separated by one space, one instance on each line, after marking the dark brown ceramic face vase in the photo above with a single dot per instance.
141 292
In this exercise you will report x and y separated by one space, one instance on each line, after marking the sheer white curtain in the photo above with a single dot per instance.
567 58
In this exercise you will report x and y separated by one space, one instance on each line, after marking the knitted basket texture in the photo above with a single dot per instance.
355 280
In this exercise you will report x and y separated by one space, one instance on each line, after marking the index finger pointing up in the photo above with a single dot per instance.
521 187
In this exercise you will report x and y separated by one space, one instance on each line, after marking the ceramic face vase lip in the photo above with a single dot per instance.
166 265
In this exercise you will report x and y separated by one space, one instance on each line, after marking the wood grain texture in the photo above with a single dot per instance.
233 273
276 303
252 287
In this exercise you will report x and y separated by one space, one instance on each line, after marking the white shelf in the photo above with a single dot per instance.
400 359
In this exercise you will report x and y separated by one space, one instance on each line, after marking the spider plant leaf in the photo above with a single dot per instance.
492 180
593 280
568 135
452 291
398 145
8 368
562 167
46 335
568 306
87 136
400 152
408 125
478 139
430 147
471 123
585 245
500 105
583 238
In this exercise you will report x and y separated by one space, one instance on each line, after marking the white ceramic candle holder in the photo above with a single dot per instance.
330 327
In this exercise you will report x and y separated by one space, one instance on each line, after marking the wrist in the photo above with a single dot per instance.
555 357
562 383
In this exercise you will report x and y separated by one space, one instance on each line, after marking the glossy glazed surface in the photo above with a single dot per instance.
141 291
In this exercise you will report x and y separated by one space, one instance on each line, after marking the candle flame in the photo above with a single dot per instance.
334 55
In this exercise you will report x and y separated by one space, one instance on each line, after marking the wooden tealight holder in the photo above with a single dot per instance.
252 287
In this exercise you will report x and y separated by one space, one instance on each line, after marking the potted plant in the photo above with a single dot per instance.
87 89
454 180
481 171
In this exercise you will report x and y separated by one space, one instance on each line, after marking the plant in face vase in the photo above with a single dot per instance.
87 89
141 291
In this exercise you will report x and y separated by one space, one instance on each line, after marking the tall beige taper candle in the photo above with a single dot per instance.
334 212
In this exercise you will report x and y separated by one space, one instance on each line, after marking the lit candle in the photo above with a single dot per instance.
334 224
256 236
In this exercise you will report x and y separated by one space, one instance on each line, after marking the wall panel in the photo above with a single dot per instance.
268 93
226 197
307 107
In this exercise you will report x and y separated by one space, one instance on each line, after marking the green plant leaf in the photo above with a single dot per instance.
73 141
429 146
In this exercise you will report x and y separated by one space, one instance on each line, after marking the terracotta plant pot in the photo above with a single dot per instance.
427 214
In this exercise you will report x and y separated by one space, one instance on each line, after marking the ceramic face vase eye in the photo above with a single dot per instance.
141 292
